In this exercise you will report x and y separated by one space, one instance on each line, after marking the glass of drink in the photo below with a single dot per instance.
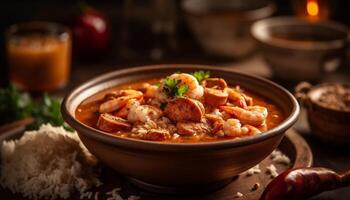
39 55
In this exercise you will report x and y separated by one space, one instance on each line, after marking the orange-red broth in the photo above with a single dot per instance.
87 113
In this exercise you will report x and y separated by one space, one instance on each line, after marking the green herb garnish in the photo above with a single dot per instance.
173 89
49 111
181 90
15 105
201 75
157 84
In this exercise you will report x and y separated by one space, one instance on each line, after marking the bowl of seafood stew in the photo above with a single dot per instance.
174 126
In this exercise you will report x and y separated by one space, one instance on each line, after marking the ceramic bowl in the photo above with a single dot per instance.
173 167
328 124
222 27
298 49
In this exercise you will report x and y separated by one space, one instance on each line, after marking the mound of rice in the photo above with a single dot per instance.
47 163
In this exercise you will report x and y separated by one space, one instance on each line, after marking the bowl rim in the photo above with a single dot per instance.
266 10
61 31
174 147
258 32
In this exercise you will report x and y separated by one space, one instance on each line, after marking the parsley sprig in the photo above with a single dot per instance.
48 110
172 88
201 75
15 105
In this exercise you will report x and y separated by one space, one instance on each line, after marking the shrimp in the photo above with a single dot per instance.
154 92
150 90
119 93
114 104
236 97
252 129
234 128
252 115
195 90
123 112
118 99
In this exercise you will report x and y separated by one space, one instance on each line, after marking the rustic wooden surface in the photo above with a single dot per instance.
292 145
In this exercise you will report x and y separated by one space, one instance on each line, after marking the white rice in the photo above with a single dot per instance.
279 157
114 195
238 195
271 169
254 170
48 163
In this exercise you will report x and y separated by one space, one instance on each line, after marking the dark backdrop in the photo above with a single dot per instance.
15 11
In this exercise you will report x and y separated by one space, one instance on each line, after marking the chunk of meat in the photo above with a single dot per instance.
156 135
215 121
212 118
192 128
217 127
109 123
216 83
214 97
184 109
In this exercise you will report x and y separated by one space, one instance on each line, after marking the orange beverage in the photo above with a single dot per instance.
39 55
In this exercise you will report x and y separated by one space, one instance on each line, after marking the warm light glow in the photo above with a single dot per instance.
312 7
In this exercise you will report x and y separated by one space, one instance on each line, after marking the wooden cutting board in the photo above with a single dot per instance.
293 145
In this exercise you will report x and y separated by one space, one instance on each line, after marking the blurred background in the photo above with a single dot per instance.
108 35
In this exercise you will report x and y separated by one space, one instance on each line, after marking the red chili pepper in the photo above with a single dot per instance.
301 183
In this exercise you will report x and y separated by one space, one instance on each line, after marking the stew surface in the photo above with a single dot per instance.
180 108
